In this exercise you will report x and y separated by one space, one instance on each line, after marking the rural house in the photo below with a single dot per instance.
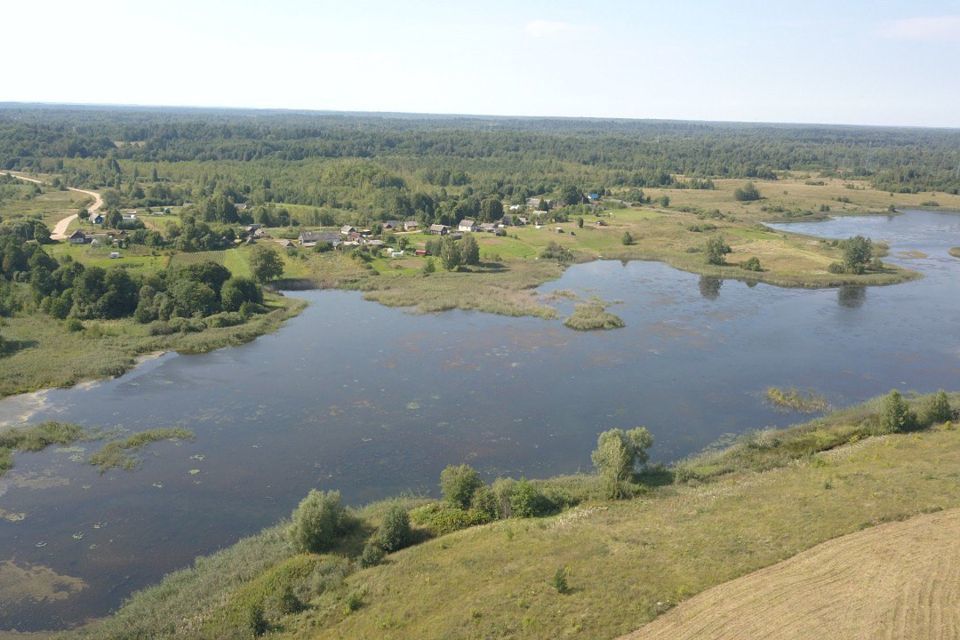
410 225
78 237
439 229
467 225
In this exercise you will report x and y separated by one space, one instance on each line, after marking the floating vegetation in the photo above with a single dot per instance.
593 316
796 400
120 454
199 457
78 535
413 406
194 472
158 485
35 438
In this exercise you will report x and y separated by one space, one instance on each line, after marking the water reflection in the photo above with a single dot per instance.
851 296
710 287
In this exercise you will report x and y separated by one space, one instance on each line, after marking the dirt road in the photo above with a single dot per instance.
60 229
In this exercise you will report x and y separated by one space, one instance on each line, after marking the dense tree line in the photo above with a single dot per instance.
442 150
68 289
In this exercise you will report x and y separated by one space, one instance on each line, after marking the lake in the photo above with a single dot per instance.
374 401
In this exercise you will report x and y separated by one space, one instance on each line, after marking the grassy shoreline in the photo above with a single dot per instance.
707 520
48 355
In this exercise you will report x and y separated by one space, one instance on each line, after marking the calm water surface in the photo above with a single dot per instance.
373 401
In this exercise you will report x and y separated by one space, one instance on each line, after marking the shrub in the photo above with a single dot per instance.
252 308
354 601
457 484
74 325
428 267
318 521
753 264
617 456
526 501
372 555
559 581
836 267
484 501
225 319
502 489
558 252
715 250
238 290
627 238
896 416
394 532
442 518
256 621
746 193
287 601
938 409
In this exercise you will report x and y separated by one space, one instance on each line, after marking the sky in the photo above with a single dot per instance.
850 62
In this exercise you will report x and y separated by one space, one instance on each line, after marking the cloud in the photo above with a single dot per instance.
556 28
942 28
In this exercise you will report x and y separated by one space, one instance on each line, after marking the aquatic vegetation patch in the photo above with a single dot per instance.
27 582
796 400
593 316
35 438
121 454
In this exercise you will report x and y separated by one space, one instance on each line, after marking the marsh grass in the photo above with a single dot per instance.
35 438
121 454
796 400
593 316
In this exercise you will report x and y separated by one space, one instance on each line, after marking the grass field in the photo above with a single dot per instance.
627 561
50 206
892 581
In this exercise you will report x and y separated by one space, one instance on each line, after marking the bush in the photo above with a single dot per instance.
256 621
160 328
457 484
441 518
715 250
484 501
559 581
318 521
554 251
836 267
617 456
237 291
897 416
753 264
394 533
746 193
225 319
938 409
252 308
372 555
526 501
627 238
74 325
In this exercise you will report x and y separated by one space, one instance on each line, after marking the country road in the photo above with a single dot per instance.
60 229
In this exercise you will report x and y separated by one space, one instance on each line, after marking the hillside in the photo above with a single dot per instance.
725 515
895 580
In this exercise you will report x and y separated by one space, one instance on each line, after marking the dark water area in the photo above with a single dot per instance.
374 401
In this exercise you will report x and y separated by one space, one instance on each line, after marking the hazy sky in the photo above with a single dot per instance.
859 61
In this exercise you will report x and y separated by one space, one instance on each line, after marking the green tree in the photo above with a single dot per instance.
627 238
617 456
470 251
857 253
428 267
394 533
491 210
318 521
526 501
664 201
715 250
746 193
938 410
238 290
571 195
266 264
580 222
896 416
458 483
450 254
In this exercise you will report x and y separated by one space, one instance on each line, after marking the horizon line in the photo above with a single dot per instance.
5 104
